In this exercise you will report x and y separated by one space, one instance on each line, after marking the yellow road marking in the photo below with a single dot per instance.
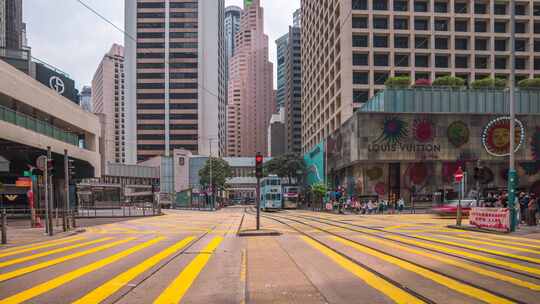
521 257
106 290
178 288
391 291
70 276
428 274
513 238
459 264
37 246
500 241
42 254
469 255
25 270
243 275
492 244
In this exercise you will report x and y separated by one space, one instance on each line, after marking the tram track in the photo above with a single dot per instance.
341 223
283 219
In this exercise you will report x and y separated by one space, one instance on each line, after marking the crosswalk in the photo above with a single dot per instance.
45 257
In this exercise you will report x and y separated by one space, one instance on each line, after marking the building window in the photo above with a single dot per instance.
500 63
421 42
499 8
441 25
441 61
360 96
380 23
536 10
481 62
537 45
499 27
420 6
360 4
380 41
521 9
360 41
380 59
421 24
521 63
421 61
480 8
359 22
441 43
461 25
462 44
360 59
380 5
537 63
462 62
521 45
401 42
360 77
401 6
460 8
481 44
401 23
537 28
441 7
380 77
480 26
401 60
500 45
181 161
521 27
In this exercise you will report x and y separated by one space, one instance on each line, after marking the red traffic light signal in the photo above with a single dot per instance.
258 159
259 165
458 176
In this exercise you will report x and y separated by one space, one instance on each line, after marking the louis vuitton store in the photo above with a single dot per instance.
392 155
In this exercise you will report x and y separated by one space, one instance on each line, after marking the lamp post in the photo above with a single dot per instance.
512 174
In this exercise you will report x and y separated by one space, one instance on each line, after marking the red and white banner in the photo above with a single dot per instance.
497 219
329 206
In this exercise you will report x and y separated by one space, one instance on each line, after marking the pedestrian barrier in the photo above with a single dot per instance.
497 219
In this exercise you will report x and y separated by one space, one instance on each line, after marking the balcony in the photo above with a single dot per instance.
37 126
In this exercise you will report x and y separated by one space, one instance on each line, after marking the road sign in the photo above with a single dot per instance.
40 162
458 176
27 173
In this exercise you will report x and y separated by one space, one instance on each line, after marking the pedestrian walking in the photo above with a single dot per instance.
400 205
532 207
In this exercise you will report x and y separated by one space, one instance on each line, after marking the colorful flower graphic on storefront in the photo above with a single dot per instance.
458 133
424 131
496 136
394 130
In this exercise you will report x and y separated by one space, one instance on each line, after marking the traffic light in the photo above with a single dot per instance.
259 165
50 167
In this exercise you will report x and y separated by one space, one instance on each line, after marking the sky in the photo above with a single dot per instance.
69 37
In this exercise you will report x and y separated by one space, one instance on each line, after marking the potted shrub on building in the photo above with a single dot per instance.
489 83
449 82
398 82
529 84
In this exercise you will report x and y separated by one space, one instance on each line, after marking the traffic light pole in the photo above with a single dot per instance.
512 174
258 201
48 195
65 221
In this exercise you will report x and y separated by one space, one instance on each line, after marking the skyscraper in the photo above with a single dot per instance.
250 99
369 41
175 67
85 99
108 99
297 18
11 25
293 92
232 25
282 45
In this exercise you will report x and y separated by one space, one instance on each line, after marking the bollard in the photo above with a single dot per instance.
4 227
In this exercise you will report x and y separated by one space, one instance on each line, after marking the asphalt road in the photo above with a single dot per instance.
196 257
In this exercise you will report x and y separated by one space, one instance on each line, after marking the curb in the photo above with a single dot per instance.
476 229
253 232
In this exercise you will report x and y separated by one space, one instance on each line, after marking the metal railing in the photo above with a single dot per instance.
38 126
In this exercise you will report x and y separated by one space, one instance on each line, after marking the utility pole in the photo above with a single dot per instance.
48 192
512 174
65 221
211 185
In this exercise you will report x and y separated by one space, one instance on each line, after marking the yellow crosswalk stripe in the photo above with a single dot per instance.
458 263
32 247
494 261
106 290
492 244
178 288
501 241
516 238
428 274
50 252
396 294
70 276
510 255
32 268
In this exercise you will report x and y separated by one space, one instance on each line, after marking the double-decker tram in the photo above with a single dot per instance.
271 193
290 197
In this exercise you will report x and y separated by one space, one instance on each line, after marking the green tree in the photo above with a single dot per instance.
449 81
398 82
287 165
533 83
220 172
319 191
489 83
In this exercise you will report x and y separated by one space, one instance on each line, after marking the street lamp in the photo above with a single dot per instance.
512 166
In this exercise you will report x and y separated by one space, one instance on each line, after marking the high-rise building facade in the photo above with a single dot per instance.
282 45
11 25
175 67
85 98
293 92
108 99
367 41
297 18
250 99
232 25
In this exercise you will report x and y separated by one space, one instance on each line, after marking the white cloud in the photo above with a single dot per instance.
68 36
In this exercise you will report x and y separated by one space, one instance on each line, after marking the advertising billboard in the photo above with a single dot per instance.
314 161
57 82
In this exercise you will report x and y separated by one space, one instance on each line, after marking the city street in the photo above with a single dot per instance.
197 257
